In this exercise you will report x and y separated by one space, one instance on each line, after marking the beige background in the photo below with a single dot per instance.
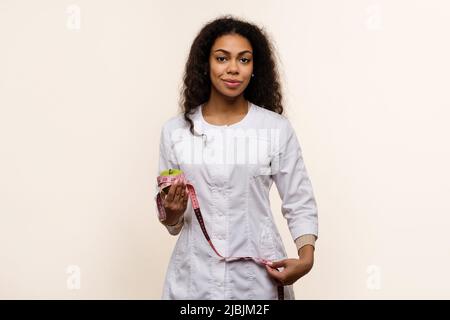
86 85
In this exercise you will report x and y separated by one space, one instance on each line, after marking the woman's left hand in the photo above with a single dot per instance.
293 270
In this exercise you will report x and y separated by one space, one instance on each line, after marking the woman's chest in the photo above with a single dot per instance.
224 155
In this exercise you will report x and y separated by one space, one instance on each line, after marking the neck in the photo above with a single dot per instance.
220 105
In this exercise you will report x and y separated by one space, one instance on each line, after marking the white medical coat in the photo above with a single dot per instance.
233 192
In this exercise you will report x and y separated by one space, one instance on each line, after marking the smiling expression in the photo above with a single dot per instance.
231 59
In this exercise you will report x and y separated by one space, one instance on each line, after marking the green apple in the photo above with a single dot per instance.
170 172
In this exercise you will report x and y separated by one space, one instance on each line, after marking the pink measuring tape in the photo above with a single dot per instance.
166 181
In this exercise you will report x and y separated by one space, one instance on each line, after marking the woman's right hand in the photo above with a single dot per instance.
175 202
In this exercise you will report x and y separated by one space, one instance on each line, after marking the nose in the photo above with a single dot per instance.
232 68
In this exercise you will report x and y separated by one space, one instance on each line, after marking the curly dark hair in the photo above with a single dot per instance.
264 88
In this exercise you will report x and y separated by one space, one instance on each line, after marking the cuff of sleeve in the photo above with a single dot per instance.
176 228
304 240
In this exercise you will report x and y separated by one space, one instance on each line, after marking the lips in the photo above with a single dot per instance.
230 84
231 81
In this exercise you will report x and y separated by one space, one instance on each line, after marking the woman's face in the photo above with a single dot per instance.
231 58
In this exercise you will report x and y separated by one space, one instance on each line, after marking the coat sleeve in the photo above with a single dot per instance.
167 161
289 173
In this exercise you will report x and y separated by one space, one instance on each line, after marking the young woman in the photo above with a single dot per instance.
232 95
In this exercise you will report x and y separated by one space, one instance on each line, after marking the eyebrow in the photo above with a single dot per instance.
238 54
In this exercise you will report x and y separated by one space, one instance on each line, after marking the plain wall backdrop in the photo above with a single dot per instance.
85 87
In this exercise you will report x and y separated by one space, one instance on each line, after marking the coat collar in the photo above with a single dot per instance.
199 127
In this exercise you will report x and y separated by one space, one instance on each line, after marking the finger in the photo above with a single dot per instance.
275 274
277 264
185 200
178 192
171 194
182 192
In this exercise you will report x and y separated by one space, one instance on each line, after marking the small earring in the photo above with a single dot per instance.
253 75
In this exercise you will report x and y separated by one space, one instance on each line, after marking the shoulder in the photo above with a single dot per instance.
174 123
270 119
281 130
175 129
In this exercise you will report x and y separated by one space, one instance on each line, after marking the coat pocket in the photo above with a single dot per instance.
260 162
261 176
